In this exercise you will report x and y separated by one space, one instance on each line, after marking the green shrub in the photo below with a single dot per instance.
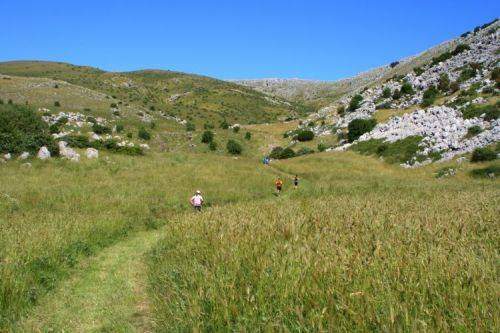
143 134
212 145
113 105
233 147
119 128
57 104
248 136
460 48
281 153
400 151
466 74
474 111
495 74
355 102
358 127
305 135
386 93
224 124
322 147
77 141
101 129
304 151
418 71
190 127
207 137
21 129
444 82
407 89
396 94
208 126
486 172
430 95
473 131
385 105
236 129
441 58
454 87
341 110
483 154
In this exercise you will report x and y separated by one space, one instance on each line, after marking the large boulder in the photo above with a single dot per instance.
24 155
43 153
92 153
68 153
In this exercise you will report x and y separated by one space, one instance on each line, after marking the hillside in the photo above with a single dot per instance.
157 93
322 93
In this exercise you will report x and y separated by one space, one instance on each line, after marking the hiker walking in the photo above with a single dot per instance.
197 201
296 182
279 185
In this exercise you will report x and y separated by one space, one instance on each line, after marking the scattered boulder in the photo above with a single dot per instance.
92 153
24 155
68 153
7 156
43 153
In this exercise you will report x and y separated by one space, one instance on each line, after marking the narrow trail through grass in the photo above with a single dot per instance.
106 294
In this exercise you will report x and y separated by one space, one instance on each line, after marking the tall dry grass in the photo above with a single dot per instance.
371 248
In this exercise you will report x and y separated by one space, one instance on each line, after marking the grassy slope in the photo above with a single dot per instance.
200 99
369 248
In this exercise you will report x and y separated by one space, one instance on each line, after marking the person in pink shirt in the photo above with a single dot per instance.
197 201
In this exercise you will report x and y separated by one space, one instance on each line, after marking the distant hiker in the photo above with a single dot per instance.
197 201
279 185
296 182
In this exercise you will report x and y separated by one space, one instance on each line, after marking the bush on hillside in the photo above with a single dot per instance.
322 147
305 135
57 104
490 112
119 128
473 131
400 151
467 73
101 129
143 134
441 58
385 105
212 145
407 89
304 151
341 110
460 48
358 127
495 74
208 126
248 136
224 124
386 93
207 137
281 153
444 82
236 129
233 147
483 154
430 95
418 71
190 127
394 64
21 129
396 94
355 102
454 87
493 170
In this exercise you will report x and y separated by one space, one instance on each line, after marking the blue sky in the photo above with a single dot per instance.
323 40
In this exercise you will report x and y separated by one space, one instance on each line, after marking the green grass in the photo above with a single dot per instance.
372 248
199 99
399 151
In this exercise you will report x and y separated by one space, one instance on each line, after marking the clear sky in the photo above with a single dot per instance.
323 40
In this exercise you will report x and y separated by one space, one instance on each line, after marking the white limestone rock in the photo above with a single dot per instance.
43 153
92 153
